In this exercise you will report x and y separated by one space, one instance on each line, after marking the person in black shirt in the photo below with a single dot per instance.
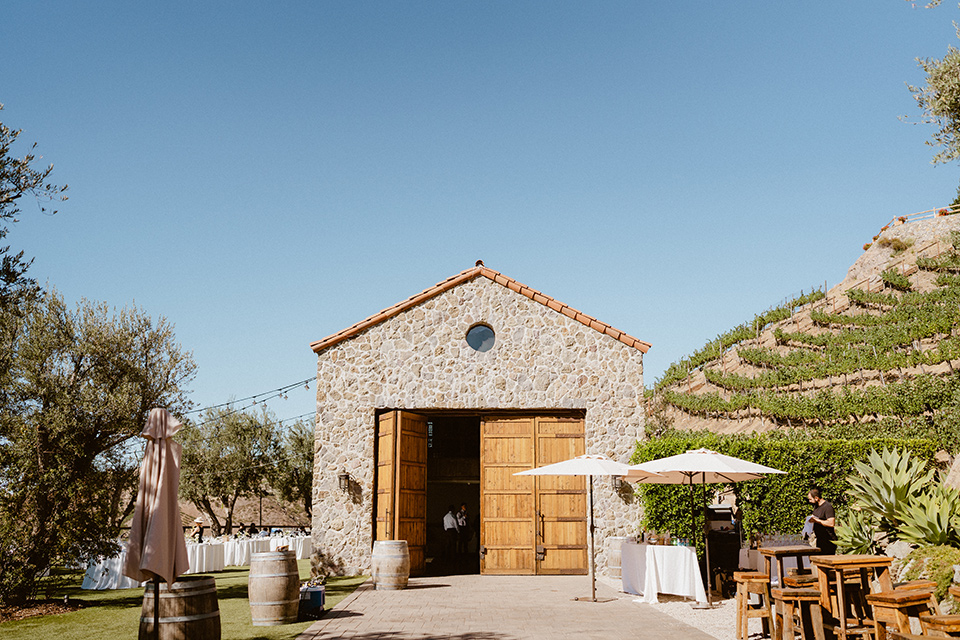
824 523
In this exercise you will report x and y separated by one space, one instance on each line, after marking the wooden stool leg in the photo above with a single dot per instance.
788 632
880 629
778 620
816 618
767 622
739 604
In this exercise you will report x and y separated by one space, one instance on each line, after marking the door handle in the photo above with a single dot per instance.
541 552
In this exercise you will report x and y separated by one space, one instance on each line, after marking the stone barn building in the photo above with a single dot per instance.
440 399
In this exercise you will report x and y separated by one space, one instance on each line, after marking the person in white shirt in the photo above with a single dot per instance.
450 534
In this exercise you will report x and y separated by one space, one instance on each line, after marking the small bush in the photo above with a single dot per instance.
933 563
898 245
897 280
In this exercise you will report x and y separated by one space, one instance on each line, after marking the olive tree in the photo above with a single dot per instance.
77 393
226 456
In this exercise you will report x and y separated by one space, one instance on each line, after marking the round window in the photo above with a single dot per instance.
480 337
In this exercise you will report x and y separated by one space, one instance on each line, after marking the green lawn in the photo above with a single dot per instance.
116 614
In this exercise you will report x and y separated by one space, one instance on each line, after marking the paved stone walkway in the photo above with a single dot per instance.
474 607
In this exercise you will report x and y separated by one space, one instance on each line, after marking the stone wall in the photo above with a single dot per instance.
420 359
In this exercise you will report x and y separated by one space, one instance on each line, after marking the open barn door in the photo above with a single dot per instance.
402 483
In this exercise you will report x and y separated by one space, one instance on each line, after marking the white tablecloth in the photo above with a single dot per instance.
237 552
205 558
106 573
752 560
302 545
652 569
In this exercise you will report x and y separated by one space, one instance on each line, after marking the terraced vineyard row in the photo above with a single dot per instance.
811 370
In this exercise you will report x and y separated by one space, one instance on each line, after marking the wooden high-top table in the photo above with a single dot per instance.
778 554
830 577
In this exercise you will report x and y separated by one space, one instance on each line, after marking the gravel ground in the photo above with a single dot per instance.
719 622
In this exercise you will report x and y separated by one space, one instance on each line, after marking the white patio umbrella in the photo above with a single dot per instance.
589 466
701 465
157 550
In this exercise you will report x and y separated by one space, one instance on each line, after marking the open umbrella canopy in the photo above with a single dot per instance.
588 465
700 465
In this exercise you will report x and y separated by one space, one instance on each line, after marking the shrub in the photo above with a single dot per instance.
932 563
773 503
895 279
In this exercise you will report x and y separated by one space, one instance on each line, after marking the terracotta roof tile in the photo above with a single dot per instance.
465 276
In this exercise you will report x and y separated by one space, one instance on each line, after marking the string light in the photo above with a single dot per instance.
278 393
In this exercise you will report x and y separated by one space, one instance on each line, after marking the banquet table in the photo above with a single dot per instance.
651 569
107 573
206 557
237 552
302 545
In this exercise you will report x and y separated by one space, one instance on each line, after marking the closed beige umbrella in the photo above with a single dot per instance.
157 550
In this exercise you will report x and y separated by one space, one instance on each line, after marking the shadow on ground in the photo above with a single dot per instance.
392 635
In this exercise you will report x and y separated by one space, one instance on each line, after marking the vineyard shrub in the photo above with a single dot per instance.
776 503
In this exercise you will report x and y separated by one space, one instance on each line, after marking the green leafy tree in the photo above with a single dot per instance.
939 99
19 178
225 457
292 476
78 391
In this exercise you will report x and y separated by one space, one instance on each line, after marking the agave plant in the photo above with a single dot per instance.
855 533
886 482
932 518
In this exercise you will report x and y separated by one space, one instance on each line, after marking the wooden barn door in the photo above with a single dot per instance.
402 483
531 524
561 500
507 508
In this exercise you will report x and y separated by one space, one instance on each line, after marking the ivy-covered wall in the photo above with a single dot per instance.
776 503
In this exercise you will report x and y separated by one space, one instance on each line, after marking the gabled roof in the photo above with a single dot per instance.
465 276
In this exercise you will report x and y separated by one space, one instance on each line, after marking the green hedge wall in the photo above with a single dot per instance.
776 503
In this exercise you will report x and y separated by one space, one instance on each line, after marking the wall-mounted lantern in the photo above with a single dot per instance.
617 483
344 479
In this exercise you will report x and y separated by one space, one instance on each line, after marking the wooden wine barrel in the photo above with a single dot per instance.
188 610
274 588
614 543
391 564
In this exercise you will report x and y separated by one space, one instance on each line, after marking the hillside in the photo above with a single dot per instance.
879 351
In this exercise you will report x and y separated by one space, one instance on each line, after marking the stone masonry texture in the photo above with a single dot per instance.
419 359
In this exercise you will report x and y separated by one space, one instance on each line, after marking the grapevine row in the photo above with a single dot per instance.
912 397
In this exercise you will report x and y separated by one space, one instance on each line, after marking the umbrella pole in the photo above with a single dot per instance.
156 607
593 575
706 538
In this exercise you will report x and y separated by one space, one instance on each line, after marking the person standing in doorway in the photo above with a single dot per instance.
463 530
450 534
824 521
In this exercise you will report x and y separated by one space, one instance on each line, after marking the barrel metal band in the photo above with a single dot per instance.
275 575
184 594
271 604
193 618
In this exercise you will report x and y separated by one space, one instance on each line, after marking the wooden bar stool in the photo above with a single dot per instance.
805 604
948 626
757 583
895 608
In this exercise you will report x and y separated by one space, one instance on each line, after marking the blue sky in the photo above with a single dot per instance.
264 175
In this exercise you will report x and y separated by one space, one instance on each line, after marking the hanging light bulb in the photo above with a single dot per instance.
306 385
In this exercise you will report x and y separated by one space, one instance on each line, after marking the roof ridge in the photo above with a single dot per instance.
470 274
